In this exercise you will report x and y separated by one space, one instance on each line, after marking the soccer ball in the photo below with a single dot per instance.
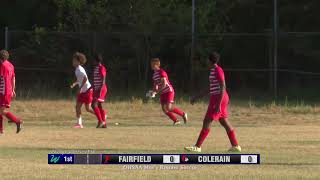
150 94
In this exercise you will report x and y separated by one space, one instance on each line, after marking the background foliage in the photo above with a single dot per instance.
44 34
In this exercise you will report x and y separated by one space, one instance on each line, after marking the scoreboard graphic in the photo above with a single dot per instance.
184 159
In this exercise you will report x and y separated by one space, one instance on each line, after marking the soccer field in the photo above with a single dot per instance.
287 137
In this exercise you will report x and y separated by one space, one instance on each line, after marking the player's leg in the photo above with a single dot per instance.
165 109
89 99
5 104
78 115
174 109
88 108
12 117
210 116
166 100
100 97
96 110
231 134
206 126
103 115
1 125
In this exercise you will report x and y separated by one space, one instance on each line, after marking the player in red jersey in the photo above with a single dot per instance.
99 90
85 94
218 106
7 90
162 86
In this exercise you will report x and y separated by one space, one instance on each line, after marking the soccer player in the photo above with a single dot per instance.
217 109
99 90
85 94
162 86
7 90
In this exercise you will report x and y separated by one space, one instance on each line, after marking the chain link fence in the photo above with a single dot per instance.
43 61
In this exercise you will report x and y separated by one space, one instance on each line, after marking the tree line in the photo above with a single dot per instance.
130 32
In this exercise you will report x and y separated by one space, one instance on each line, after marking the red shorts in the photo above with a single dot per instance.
211 114
5 100
99 97
167 98
85 97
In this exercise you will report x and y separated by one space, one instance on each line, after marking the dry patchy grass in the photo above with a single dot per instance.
288 139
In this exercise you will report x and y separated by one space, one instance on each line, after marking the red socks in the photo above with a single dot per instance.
204 133
12 117
98 114
202 136
103 115
232 137
172 116
178 111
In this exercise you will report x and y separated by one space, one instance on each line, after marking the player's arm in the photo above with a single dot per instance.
14 86
155 87
152 93
222 89
103 73
84 81
163 83
103 83
222 83
74 84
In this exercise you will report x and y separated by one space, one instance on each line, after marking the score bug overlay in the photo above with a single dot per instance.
114 159
61 158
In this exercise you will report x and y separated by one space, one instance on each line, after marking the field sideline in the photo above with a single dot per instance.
287 137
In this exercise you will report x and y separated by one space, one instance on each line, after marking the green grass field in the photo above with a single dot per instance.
287 137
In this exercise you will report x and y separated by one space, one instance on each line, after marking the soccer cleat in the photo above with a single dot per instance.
235 149
1 131
193 149
185 118
104 125
78 126
177 123
99 124
19 126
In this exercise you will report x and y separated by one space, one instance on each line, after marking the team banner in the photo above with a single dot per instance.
153 159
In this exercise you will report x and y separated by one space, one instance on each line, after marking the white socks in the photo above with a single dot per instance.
80 120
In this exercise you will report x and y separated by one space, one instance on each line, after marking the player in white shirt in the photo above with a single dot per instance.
85 94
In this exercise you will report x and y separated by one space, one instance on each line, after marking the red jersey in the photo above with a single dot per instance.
216 77
99 73
157 76
6 76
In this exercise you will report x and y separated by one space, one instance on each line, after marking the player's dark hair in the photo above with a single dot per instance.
214 57
80 57
4 55
155 59
98 58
